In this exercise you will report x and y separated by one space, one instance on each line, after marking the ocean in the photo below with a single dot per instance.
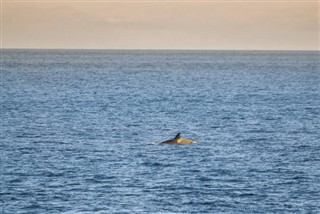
80 131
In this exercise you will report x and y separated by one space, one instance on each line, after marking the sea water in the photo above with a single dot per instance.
80 131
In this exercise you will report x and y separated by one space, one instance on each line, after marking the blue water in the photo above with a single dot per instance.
79 131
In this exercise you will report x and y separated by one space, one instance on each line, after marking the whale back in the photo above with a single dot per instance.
184 141
177 140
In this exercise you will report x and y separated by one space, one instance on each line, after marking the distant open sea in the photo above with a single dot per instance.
79 131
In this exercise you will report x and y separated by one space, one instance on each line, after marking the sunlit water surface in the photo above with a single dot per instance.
79 131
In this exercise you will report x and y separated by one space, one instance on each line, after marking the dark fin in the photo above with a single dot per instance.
177 136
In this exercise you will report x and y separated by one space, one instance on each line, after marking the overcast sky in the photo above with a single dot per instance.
258 25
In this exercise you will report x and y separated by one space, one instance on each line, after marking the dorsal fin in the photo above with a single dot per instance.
177 136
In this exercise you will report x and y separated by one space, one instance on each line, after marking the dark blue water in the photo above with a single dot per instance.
79 131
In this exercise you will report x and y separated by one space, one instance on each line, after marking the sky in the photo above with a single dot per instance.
203 25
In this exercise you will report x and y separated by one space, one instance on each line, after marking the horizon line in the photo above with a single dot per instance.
158 49
159 1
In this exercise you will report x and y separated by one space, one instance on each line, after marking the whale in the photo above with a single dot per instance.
178 140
